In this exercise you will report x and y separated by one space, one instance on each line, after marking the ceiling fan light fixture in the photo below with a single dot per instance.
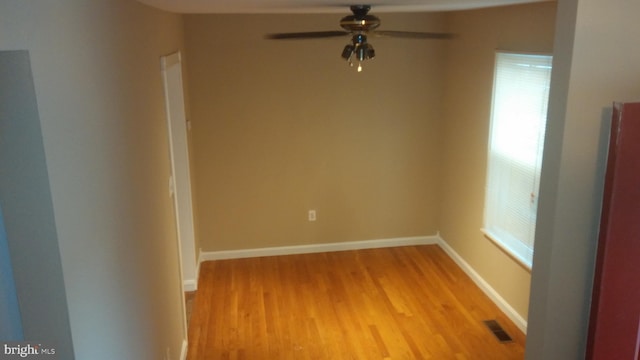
371 53
360 49
348 51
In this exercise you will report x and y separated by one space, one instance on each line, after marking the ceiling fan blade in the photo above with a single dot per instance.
412 34
307 35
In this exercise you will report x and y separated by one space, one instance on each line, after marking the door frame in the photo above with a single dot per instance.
180 178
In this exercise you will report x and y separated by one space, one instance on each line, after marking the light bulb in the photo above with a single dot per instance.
359 67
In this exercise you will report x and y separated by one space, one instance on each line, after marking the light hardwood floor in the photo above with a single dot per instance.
393 303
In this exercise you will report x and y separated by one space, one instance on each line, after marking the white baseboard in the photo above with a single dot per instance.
183 351
192 284
509 311
316 248
189 285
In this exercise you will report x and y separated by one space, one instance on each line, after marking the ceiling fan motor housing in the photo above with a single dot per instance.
360 21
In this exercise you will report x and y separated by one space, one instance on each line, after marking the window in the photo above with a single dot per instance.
516 140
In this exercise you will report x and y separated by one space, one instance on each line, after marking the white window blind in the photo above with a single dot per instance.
518 120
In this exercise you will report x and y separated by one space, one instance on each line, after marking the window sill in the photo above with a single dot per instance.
507 251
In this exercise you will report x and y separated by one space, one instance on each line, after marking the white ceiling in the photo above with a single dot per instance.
320 6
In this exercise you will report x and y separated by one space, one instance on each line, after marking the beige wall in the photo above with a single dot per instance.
467 101
96 73
281 127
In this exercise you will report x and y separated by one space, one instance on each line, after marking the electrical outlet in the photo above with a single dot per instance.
312 215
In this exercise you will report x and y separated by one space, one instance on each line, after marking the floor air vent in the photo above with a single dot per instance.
498 331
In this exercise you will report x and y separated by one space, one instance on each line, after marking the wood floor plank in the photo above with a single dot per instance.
392 303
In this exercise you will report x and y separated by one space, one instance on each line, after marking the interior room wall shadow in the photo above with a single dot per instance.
25 196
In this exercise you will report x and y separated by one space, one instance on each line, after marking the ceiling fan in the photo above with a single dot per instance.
359 25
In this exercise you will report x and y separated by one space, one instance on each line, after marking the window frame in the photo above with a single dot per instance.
517 249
